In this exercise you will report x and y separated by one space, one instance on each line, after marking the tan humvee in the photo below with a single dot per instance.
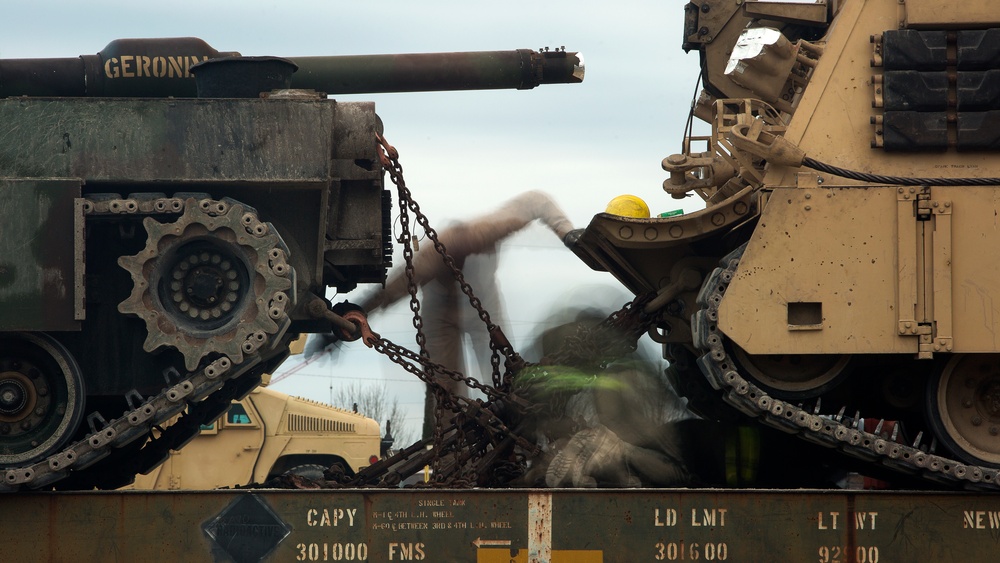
266 434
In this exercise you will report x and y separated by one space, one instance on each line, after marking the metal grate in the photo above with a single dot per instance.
302 423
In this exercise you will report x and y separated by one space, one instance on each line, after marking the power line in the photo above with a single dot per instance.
297 367
372 379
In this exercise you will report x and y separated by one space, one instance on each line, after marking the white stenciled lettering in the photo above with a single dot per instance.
838 554
332 552
827 522
708 517
406 551
330 517
679 551
311 517
666 518
981 520
864 520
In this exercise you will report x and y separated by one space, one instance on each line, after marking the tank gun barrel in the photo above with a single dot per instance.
424 72
162 68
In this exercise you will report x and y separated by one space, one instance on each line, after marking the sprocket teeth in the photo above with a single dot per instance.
189 321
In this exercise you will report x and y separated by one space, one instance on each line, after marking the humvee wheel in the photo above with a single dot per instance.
963 405
793 376
41 397
311 471
209 282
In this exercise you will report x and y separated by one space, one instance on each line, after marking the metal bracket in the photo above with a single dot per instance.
808 179
941 274
877 90
908 260
924 208
933 325
925 350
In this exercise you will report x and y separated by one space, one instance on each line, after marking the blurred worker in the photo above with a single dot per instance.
603 410
448 317
614 420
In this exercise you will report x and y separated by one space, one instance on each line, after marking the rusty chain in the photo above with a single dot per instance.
499 344
614 337
498 341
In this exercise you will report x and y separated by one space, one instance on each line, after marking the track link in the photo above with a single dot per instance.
841 433
199 395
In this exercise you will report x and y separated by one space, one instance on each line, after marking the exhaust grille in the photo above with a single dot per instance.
302 423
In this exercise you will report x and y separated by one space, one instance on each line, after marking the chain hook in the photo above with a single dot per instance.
361 321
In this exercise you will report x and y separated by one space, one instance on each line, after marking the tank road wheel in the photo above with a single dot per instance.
41 397
963 405
214 281
793 376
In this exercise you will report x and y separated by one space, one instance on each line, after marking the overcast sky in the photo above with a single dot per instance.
463 153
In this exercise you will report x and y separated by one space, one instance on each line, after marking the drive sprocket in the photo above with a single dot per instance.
210 282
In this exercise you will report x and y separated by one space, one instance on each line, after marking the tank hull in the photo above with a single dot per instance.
853 302
145 240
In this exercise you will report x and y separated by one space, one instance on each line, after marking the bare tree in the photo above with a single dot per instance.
372 399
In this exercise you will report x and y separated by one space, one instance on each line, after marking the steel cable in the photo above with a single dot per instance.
897 180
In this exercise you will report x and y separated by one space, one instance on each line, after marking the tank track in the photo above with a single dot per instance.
845 434
135 424
199 396
237 225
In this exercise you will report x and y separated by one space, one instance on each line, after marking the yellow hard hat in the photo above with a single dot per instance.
628 206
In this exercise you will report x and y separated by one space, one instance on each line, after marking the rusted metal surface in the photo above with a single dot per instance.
184 140
494 526
38 267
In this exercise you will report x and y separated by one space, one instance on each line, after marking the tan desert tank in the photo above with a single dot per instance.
842 282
